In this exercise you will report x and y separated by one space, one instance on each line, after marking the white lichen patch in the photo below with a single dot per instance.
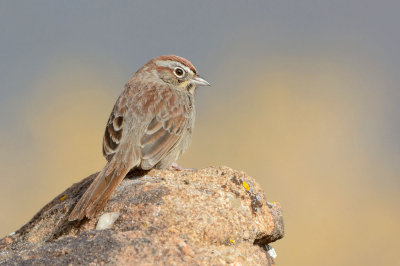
271 251
107 220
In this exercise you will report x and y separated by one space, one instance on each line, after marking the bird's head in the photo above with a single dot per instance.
174 71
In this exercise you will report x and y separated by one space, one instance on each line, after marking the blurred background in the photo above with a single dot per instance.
305 97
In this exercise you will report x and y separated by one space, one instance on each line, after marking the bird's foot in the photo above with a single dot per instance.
176 167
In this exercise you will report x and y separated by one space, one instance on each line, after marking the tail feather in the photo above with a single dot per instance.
98 193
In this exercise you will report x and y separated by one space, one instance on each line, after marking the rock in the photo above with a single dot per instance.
211 216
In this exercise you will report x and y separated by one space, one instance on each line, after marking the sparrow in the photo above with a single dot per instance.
149 127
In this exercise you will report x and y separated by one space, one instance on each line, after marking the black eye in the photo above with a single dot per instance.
179 72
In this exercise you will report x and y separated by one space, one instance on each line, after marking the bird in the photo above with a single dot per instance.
149 127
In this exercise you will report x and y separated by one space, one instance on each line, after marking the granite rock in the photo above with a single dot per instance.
212 216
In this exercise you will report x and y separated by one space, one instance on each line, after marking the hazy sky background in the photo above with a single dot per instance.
305 97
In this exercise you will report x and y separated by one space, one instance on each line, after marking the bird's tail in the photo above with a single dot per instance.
102 188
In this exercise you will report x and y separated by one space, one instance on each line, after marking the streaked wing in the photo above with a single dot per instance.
113 134
162 134
157 119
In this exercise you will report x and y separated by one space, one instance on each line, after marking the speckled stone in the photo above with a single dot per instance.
211 216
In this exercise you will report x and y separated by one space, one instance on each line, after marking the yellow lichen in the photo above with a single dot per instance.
231 241
62 198
246 186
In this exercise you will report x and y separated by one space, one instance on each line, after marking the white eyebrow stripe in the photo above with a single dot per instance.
163 63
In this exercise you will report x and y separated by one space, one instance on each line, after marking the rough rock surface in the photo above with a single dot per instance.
212 216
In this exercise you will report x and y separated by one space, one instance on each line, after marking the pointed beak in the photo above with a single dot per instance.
199 81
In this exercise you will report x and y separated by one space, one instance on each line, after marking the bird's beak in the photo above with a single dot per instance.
199 81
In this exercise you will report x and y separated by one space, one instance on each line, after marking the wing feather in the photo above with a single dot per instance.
112 134
163 133
156 135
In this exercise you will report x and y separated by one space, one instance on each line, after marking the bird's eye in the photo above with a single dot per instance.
179 72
